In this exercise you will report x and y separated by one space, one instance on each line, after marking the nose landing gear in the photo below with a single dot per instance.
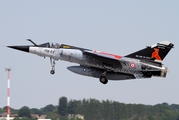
52 61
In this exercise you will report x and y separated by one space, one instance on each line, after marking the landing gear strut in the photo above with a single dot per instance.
103 79
52 61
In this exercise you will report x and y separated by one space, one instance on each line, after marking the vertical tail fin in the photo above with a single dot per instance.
155 52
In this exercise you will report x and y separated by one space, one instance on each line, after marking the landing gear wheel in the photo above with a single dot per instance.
52 72
52 61
103 80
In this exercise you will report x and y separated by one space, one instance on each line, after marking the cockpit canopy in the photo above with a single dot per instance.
50 45
55 45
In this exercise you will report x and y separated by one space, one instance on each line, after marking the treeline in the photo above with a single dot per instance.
93 109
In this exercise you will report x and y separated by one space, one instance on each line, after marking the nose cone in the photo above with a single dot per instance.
21 48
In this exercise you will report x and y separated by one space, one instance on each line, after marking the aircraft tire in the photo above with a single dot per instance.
103 80
52 72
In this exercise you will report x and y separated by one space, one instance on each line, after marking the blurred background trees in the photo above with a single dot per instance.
93 109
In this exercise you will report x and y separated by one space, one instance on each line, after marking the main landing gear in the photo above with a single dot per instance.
103 78
52 61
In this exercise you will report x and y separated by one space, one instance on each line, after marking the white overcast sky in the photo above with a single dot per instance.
114 26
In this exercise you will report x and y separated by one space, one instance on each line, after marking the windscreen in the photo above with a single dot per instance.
44 45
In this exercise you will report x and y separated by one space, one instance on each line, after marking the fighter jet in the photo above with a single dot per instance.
144 63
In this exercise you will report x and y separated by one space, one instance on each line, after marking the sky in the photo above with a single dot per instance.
118 27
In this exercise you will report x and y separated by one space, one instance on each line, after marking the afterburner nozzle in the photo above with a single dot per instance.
21 48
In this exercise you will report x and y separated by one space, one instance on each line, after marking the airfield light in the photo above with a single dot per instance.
8 93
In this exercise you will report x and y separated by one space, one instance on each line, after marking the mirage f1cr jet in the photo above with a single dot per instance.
144 63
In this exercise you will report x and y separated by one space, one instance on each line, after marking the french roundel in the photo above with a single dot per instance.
132 65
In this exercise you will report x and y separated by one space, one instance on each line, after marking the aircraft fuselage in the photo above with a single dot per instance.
129 65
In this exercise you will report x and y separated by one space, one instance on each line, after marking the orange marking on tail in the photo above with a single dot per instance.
155 54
